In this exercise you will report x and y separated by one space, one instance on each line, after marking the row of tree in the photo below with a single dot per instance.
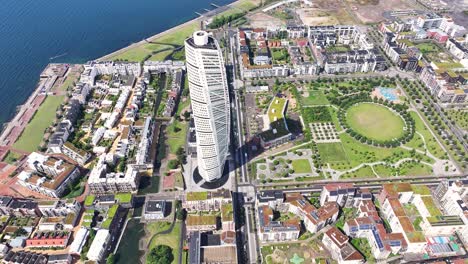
400 109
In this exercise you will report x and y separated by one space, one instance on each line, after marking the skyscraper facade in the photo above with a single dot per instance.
210 103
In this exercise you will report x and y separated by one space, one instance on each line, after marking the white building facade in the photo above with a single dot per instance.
210 103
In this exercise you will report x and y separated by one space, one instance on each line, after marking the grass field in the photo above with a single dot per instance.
301 166
176 37
374 121
332 152
432 145
172 240
176 135
315 98
428 47
34 132
364 172
11 157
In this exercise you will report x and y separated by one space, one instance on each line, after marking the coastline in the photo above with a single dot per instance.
10 124
198 19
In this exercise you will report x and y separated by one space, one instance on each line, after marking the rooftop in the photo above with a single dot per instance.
197 220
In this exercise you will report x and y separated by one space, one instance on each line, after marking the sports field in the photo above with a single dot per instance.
374 121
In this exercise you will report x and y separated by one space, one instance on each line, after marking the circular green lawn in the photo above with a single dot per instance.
375 121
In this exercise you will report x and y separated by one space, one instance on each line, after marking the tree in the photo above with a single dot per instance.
111 259
187 115
161 254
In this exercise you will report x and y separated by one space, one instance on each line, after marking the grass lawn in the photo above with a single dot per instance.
383 170
374 121
432 145
364 172
315 98
414 169
332 152
11 157
428 47
34 132
172 240
362 245
71 77
176 37
301 166
160 56
176 135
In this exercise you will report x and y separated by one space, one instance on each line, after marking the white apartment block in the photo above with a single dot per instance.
102 182
48 175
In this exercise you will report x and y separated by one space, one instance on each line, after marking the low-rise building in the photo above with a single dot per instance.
314 219
78 155
206 201
48 175
154 209
79 241
98 248
339 247
102 182
270 230
24 257
201 223
48 239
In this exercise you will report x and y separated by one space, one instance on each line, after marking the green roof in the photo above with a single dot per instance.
112 211
106 224
123 197
275 110
431 207
196 196
227 212
416 236
277 120
195 220
89 200
445 220
421 189
69 219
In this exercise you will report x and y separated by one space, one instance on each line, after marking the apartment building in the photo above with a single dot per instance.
102 182
340 248
314 219
448 86
201 223
344 194
206 201
271 230
48 175
98 248
75 153
58 208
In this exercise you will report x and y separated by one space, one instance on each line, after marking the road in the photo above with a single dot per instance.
241 159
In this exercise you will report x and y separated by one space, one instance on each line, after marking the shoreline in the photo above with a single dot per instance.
8 125
206 15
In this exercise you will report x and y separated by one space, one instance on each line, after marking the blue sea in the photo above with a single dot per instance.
34 33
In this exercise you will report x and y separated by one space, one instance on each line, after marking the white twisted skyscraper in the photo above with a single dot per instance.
210 103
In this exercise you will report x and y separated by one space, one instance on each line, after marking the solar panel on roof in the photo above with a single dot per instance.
377 239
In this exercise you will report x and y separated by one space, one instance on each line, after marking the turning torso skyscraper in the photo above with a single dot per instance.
210 103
